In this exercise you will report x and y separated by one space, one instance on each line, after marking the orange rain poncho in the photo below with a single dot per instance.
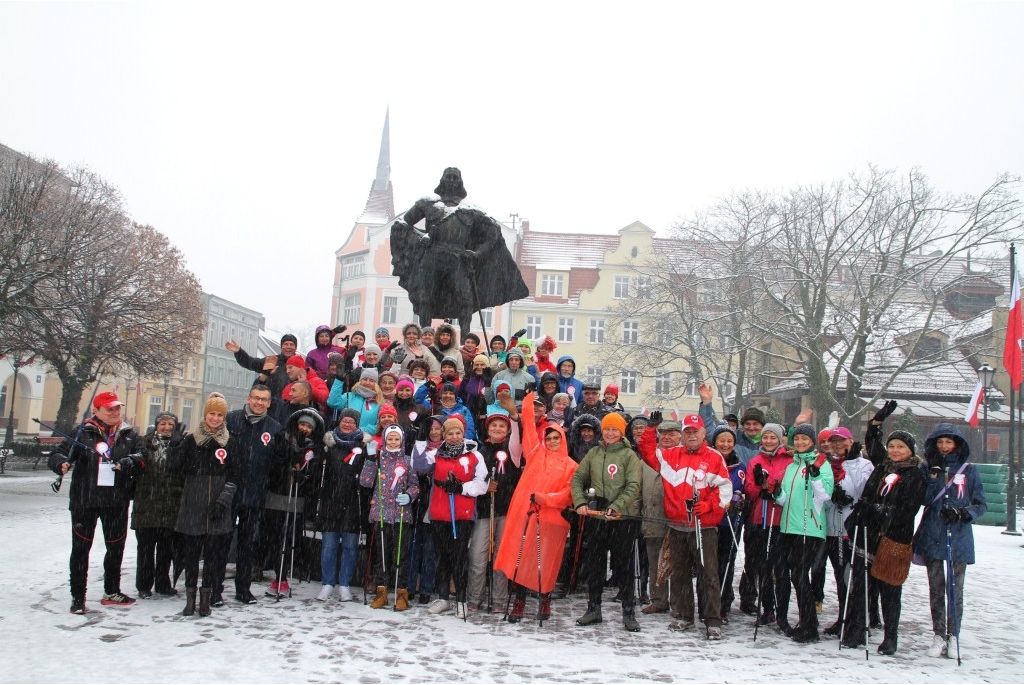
548 473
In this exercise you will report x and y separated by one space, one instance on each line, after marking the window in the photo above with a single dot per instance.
156 403
595 374
628 383
691 387
223 334
663 383
209 374
220 373
551 284
184 369
488 315
350 309
566 326
390 313
186 412
3 400
644 287
597 330
630 332
621 287
664 332
352 266
195 369
533 325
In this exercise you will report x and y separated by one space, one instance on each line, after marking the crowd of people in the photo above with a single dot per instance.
466 479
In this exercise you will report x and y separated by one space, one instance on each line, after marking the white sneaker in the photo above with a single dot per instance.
940 646
344 594
325 593
439 606
460 610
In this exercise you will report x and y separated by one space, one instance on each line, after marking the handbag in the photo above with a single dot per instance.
892 561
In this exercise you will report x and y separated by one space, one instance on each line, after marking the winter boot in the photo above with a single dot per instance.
518 609
381 599
190 602
888 646
835 629
204 601
805 635
78 605
545 606
592 616
402 600
629 620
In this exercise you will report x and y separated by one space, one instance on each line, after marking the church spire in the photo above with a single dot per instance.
380 205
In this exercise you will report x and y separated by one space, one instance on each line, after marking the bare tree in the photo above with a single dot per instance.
819 281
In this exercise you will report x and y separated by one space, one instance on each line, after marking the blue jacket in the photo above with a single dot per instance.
254 455
930 539
466 414
564 383
746 449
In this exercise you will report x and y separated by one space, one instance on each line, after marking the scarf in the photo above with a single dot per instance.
364 392
838 472
251 416
203 436
452 451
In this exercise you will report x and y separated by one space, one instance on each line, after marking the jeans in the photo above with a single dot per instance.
330 573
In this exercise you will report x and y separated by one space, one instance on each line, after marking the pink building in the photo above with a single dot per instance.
366 295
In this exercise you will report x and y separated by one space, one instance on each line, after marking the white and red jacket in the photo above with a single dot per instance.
469 469
684 473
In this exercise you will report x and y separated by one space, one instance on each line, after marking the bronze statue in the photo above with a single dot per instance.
460 264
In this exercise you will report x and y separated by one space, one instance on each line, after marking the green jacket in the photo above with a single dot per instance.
803 498
614 472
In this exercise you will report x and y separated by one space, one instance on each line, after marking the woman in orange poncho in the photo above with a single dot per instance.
543 487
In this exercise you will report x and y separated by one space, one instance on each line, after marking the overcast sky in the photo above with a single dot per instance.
249 133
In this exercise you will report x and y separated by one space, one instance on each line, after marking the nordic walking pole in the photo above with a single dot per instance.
519 555
380 523
398 553
867 623
849 586
284 538
767 563
540 591
490 553
728 563
951 590
295 520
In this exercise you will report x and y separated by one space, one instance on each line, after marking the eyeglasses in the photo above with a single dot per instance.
257 398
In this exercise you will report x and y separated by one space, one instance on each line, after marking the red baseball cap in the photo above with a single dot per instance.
107 400
692 421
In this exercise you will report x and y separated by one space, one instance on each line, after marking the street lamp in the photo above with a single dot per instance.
985 374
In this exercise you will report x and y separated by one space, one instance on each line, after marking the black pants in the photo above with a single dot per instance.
569 559
837 553
213 549
395 552
248 536
727 566
452 557
156 548
616 538
115 531
770 563
748 578
890 596
802 552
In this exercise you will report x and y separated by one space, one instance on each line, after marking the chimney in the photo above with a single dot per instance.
525 223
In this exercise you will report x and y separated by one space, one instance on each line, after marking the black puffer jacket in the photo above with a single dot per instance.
124 447
578 448
211 474
157 489
337 506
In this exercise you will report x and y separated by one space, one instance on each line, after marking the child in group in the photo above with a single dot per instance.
337 507
806 486
422 558
389 474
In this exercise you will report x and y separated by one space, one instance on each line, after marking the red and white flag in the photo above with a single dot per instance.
1014 333
675 414
977 398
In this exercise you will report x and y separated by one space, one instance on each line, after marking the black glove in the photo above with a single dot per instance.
393 346
520 333
882 414
813 471
217 509
854 452
840 498
955 514
656 418
760 477
431 387
126 465
338 330
451 486
775 492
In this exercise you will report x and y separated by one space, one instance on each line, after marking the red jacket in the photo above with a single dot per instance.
471 471
317 385
684 472
775 467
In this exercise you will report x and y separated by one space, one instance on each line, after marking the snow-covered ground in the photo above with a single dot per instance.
301 640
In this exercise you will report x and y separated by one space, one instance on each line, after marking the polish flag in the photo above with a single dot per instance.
643 410
675 414
977 398
1014 334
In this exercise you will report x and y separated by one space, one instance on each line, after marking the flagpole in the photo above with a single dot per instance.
1011 487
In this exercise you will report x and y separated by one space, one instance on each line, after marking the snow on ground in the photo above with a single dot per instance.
301 640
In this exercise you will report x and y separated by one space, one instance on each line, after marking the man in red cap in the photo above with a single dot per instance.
697 492
105 454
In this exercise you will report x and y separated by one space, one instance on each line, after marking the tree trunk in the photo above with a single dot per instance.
71 396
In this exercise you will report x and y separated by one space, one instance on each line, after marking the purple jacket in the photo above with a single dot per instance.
395 477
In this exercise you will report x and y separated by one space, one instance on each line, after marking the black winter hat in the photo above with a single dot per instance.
904 437
808 430
722 427
288 337
753 414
